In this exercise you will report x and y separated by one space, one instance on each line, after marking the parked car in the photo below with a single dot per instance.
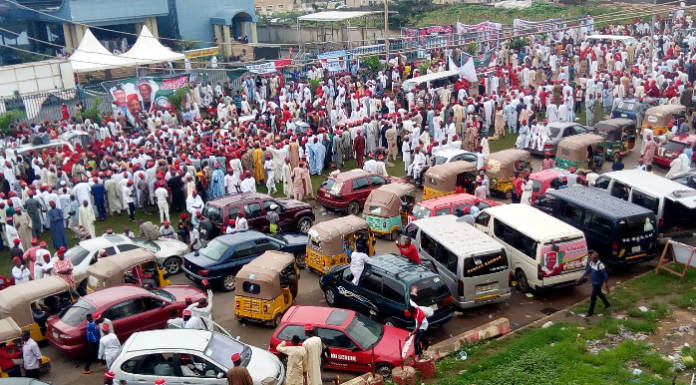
349 190
350 336
130 308
449 155
559 131
541 180
669 151
446 205
84 254
386 288
165 354
687 178
294 215
221 258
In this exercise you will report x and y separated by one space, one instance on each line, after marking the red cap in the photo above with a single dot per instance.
105 327
188 299
236 357
166 223
308 328
160 381
110 375
186 312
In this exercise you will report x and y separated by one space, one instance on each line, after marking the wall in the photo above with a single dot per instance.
109 11
195 15
36 77
283 34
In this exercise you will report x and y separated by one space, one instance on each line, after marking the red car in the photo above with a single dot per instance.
350 337
131 308
446 205
669 151
541 180
348 190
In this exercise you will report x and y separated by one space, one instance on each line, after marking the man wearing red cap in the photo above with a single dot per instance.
269 167
167 231
109 345
20 272
238 374
296 362
6 364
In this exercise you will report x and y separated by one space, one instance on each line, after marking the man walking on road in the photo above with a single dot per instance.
598 276
31 356
93 338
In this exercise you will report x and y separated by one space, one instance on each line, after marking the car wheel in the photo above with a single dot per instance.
173 265
522 282
353 208
276 319
82 289
227 283
389 321
304 225
45 368
330 295
301 259
394 235
384 369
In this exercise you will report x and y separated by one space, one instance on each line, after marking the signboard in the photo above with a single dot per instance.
681 253
201 52
483 63
334 61
134 96
267 67
563 258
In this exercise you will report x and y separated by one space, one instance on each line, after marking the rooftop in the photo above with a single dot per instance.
401 268
598 200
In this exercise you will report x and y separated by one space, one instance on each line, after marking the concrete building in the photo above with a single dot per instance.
266 7
220 21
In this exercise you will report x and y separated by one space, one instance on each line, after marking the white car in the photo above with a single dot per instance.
190 356
450 155
84 254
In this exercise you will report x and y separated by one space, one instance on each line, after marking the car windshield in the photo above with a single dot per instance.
213 213
440 159
214 250
165 295
77 254
554 131
428 291
221 348
536 185
365 331
673 146
280 238
74 314
328 183
420 212
336 188
145 244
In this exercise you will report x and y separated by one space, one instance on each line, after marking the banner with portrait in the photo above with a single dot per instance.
134 97
334 61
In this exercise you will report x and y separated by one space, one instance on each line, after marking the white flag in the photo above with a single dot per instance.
452 66
468 71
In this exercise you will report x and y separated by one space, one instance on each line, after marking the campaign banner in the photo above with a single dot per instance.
334 61
483 63
268 67
134 97
485 31
521 27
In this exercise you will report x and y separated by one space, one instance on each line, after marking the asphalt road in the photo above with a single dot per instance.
520 309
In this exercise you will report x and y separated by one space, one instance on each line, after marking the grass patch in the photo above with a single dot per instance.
560 355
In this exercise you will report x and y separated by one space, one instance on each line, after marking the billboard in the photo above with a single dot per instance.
134 96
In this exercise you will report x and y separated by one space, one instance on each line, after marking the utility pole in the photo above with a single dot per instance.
386 29
652 33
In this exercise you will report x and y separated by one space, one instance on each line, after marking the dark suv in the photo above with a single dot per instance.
386 287
295 216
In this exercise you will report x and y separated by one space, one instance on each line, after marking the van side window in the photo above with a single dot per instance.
393 291
372 282
515 239
571 212
411 231
602 182
642 199
439 253
483 219
599 223
619 190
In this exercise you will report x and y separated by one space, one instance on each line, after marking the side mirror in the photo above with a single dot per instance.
220 375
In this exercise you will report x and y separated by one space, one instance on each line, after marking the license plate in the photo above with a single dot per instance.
327 195
635 249
434 307
55 335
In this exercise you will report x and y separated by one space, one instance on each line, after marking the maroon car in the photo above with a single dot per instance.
348 190
295 216
131 308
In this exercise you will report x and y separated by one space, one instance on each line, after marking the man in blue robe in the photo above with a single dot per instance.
55 218
316 157
217 183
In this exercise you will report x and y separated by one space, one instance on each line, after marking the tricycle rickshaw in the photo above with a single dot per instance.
266 287
581 151
332 242
11 337
619 136
386 208
660 117
443 179
137 266
502 165
31 303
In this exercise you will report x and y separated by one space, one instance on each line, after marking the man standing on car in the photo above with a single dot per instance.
408 250
358 260
598 276
421 326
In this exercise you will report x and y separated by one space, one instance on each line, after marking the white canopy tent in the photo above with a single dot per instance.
91 55
148 50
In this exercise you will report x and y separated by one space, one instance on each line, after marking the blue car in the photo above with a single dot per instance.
221 258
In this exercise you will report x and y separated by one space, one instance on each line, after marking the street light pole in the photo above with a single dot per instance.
386 29
652 33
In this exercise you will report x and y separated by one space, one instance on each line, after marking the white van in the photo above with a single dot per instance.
437 80
626 40
674 204
474 266
545 253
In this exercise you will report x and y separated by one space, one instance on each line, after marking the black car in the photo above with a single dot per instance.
221 258
386 287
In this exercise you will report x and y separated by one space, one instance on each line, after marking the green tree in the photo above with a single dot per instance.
177 98
373 64
93 112
409 10
8 118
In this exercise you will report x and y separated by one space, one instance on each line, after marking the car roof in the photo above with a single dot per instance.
104 241
111 294
563 124
616 122
240 236
313 315
651 183
459 237
545 174
169 339
688 139
401 268
450 152
237 198
597 200
447 200
534 223
347 175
